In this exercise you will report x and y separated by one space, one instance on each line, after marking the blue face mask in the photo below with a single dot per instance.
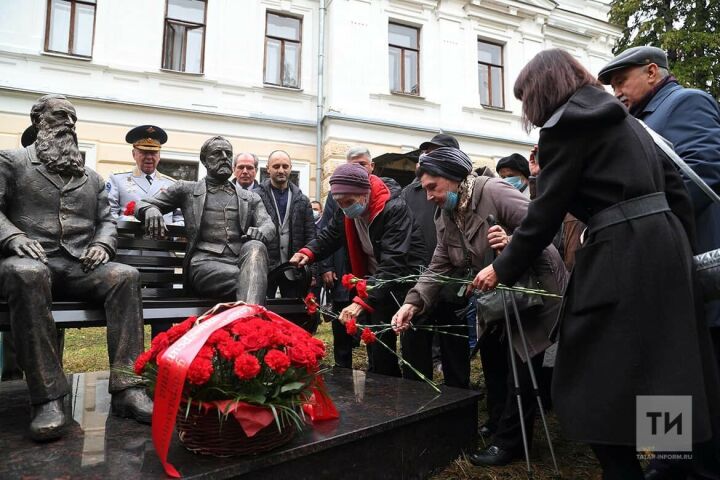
451 201
354 210
515 182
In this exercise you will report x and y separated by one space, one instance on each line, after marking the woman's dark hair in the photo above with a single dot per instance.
547 82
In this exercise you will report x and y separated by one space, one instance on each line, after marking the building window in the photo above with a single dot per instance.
490 73
282 50
184 43
70 27
179 170
404 48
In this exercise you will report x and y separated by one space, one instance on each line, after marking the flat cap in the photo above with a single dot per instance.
633 57
441 140
146 137
516 162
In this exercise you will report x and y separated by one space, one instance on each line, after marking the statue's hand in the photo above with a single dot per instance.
22 246
94 256
154 223
255 234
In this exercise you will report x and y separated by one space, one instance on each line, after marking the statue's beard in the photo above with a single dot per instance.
57 148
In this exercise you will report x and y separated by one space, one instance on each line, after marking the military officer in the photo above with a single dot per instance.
143 181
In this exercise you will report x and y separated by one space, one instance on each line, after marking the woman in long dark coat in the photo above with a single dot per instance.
631 323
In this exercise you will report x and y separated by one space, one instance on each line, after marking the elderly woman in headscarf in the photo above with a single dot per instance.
383 243
468 205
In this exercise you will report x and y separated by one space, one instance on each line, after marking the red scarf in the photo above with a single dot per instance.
379 196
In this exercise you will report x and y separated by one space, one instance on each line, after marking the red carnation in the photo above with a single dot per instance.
277 361
141 361
230 349
348 281
368 336
159 344
129 209
218 337
310 303
200 370
351 327
255 341
362 287
246 366
180 329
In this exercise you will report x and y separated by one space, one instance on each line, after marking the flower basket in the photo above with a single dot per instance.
208 432
239 380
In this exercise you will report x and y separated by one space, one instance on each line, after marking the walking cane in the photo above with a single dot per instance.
534 381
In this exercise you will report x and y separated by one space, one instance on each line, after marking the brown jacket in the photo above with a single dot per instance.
492 196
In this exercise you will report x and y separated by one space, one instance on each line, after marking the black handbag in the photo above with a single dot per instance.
490 305
707 265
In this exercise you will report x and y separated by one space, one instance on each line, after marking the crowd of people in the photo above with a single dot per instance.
599 218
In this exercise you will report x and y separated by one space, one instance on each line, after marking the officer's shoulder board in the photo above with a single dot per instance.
108 184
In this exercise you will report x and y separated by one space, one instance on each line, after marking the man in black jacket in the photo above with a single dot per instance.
292 216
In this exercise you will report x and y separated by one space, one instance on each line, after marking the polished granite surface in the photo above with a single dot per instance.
374 410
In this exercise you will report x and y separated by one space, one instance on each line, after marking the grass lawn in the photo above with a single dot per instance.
86 350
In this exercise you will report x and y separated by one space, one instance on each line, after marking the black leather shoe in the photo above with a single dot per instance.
492 455
485 432
48 420
132 403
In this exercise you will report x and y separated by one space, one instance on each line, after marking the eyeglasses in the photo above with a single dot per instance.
244 167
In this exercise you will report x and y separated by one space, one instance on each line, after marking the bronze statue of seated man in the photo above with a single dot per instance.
56 238
227 228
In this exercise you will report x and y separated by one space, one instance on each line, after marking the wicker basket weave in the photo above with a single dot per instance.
202 432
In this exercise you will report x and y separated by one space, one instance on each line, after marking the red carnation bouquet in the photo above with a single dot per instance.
250 363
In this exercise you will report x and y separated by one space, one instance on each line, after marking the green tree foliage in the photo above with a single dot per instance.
689 31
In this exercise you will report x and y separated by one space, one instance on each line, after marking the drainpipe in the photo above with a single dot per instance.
320 100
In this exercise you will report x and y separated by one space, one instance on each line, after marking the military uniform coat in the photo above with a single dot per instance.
126 187
631 322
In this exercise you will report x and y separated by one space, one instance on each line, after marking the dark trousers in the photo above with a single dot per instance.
454 350
343 343
496 366
618 462
29 286
509 431
715 338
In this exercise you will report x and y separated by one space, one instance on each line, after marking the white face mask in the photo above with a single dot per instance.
316 214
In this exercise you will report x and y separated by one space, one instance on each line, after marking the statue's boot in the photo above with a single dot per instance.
48 420
134 403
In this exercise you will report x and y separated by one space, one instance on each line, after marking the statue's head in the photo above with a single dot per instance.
54 118
216 155
53 112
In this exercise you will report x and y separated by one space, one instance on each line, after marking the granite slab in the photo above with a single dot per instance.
388 428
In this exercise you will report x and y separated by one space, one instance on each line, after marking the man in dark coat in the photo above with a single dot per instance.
292 216
227 228
383 243
690 120
56 237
